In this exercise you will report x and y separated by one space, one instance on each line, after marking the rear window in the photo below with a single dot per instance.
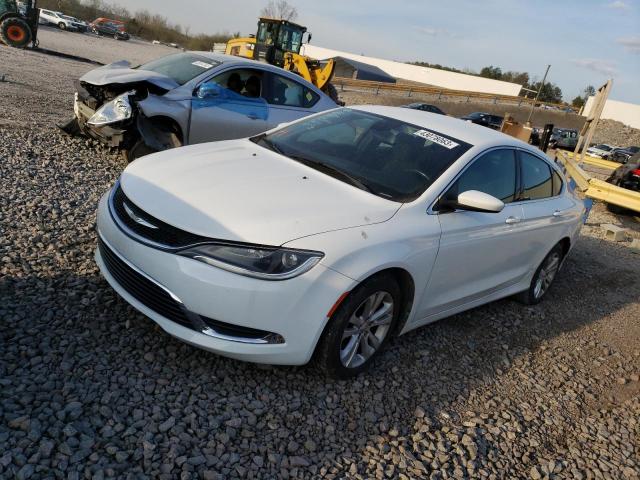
181 67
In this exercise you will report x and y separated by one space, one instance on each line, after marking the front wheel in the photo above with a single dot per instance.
360 327
543 278
139 149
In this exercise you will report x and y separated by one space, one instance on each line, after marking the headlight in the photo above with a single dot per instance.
116 110
267 263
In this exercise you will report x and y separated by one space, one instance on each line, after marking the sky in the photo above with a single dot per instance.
585 41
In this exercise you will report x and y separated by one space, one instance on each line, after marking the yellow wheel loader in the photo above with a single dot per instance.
278 42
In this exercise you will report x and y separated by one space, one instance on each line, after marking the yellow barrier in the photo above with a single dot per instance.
599 189
597 162
417 88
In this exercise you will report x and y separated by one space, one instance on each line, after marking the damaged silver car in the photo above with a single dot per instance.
188 98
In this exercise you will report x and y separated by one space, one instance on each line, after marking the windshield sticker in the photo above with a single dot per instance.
435 138
200 64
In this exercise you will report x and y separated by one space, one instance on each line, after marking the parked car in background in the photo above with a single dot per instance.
51 17
331 234
484 119
425 107
564 138
81 25
187 98
601 150
622 155
626 176
110 28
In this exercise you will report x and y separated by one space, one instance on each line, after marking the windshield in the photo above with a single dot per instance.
476 115
385 156
604 148
181 67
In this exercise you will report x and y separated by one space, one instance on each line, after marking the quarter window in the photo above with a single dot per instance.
493 173
536 178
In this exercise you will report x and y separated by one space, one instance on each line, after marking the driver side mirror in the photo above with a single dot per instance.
474 201
208 90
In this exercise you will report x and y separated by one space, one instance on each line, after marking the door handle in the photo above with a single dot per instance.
557 213
512 220
253 116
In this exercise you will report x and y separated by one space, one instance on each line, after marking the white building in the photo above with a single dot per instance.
627 113
426 75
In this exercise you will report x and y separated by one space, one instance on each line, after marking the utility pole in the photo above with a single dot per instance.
533 104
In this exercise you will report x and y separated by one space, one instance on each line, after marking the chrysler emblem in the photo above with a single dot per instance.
137 218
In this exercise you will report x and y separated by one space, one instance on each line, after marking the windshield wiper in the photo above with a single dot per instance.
328 168
262 141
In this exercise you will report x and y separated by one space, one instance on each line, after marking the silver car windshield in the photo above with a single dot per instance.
181 67
385 156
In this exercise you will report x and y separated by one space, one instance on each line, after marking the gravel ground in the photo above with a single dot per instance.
101 49
89 388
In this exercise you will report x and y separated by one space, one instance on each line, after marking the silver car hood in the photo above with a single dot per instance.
121 73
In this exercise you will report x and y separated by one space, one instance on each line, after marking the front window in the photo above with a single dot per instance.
385 156
290 38
494 173
181 67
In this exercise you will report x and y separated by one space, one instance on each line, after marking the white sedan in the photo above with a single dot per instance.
601 150
333 233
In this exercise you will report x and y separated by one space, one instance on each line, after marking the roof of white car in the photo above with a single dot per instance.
466 131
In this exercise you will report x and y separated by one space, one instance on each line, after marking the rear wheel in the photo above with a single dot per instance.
62 26
360 327
331 90
543 278
15 32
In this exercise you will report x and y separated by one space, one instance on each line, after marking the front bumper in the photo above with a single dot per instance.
294 309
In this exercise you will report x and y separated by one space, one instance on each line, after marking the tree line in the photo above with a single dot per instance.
550 91
142 23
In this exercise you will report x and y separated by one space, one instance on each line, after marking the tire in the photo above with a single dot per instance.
15 32
331 90
139 149
62 26
115 36
543 278
342 355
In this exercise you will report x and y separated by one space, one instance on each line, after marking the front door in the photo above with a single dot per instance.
480 253
237 110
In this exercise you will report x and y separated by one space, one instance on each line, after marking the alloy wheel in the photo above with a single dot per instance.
366 329
547 274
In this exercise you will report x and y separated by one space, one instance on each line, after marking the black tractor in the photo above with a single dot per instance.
19 23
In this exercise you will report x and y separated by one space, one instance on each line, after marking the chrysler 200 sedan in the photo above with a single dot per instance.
326 236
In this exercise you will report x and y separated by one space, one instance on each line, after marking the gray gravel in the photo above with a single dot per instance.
89 388
101 49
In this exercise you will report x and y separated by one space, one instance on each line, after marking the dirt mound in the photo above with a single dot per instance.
616 133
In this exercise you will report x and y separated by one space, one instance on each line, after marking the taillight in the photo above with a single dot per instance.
636 172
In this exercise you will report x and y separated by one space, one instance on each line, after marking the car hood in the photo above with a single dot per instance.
236 190
121 72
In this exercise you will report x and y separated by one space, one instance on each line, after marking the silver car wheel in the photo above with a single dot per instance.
366 330
547 274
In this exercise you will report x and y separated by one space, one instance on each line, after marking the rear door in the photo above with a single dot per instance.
239 110
480 253
288 99
546 212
